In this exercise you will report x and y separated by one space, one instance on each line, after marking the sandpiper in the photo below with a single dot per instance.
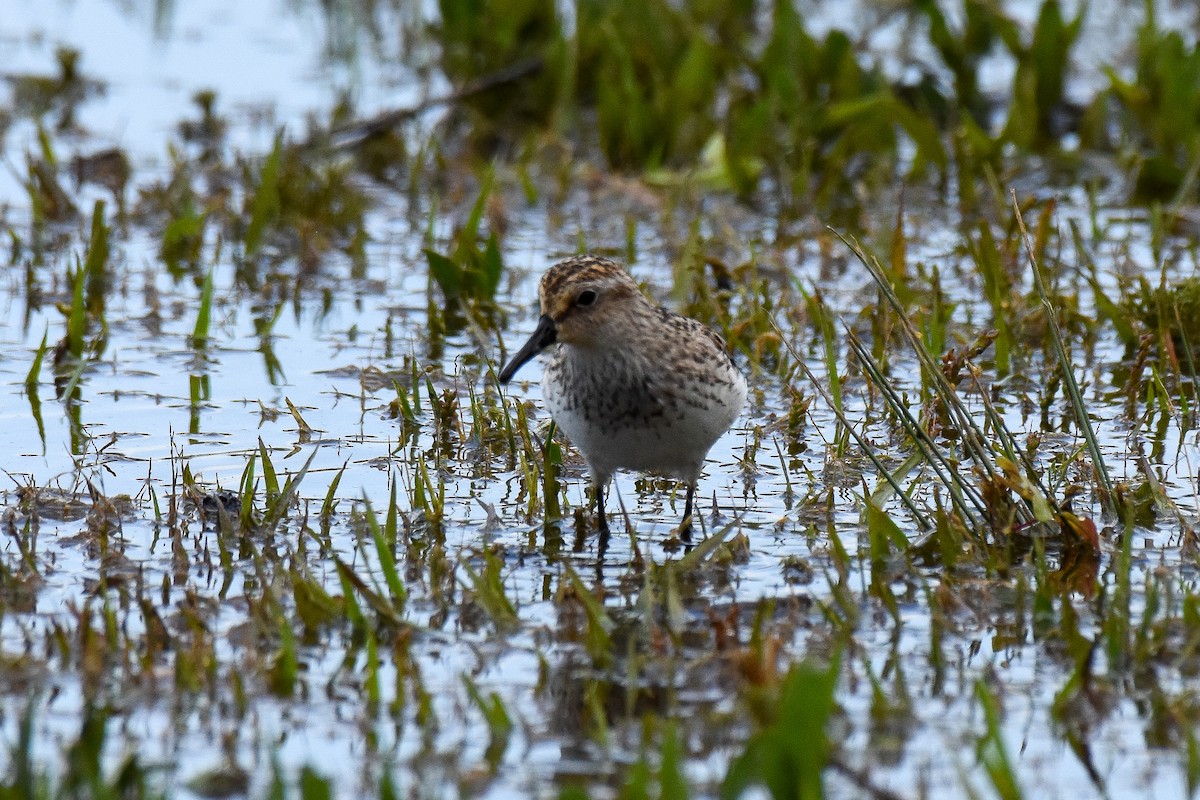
633 385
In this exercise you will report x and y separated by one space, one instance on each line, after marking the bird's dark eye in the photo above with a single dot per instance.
586 298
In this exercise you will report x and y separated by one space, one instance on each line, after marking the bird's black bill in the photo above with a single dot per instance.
543 336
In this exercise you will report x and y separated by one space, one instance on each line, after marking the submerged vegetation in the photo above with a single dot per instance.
274 528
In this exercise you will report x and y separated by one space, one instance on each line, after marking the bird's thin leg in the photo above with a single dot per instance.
601 518
685 526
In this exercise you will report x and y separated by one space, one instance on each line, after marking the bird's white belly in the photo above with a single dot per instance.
674 444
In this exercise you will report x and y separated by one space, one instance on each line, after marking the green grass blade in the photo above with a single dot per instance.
35 369
204 317
265 207
1078 407
77 321
387 562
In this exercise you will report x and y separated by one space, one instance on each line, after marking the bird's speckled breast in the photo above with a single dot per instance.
658 408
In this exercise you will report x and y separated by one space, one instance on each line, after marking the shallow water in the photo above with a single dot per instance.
85 634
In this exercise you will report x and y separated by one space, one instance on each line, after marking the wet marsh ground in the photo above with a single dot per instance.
273 529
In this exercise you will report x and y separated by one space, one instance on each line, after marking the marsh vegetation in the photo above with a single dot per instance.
272 527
